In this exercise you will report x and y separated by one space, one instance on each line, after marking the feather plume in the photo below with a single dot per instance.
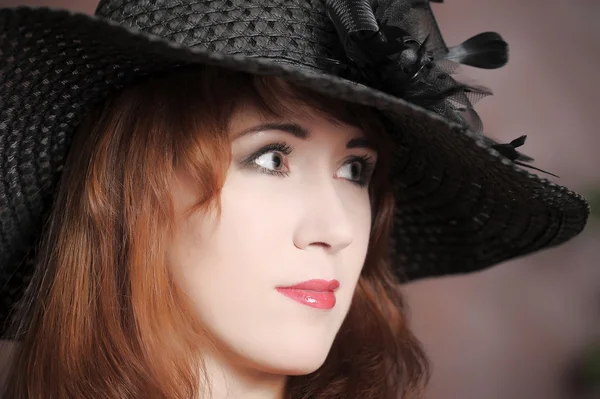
486 50
382 53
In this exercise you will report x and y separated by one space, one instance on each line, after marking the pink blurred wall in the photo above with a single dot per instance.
512 331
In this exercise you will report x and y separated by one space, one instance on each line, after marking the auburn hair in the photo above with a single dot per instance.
103 317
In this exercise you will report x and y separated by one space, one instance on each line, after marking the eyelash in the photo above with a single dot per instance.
368 165
366 162
281 147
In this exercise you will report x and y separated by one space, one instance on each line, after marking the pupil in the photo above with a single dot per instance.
276 161
355 168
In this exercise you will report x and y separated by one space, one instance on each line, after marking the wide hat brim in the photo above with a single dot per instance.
461 206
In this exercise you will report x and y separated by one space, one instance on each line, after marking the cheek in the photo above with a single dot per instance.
227 263
363 219
352 258
358 210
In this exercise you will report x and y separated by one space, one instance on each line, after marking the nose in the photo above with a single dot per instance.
325 221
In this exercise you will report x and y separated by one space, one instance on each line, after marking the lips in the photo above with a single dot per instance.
317 294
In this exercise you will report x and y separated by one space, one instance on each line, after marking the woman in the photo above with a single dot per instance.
227 195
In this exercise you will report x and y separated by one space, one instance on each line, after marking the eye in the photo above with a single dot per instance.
351 171
271 161
358 170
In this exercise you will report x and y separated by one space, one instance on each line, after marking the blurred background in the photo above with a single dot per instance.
529 328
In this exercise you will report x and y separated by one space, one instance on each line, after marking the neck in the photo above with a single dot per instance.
229 378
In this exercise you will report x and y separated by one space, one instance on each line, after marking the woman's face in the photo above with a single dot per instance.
294 207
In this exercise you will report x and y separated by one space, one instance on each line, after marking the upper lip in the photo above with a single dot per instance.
316 285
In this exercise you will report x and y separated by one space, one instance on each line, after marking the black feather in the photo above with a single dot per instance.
509 149
486 50
533 167
519 141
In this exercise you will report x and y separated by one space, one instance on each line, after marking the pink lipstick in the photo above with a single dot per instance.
314 293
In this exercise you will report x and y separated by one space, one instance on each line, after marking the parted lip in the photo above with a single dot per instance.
315 285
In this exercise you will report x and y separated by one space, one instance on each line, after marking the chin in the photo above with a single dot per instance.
306 365
300 360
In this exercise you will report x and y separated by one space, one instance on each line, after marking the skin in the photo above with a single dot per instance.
274 230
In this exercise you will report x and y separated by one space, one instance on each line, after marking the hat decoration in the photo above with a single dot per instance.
386 56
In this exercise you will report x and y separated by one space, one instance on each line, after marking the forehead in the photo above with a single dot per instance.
276 98
299 119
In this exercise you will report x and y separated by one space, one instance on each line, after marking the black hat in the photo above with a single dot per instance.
463 200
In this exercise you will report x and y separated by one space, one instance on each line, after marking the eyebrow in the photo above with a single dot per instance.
302 133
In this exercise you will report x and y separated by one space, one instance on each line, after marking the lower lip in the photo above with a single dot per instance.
314 299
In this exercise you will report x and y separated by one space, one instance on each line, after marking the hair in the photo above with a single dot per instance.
103 316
